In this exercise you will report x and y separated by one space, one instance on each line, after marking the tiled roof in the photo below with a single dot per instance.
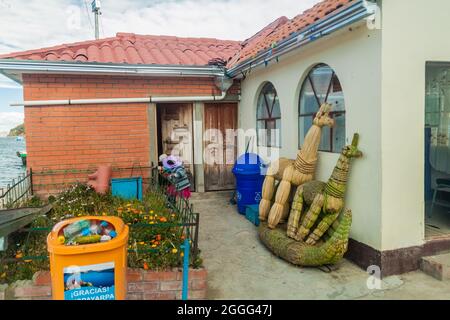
283 28
137 49
165 50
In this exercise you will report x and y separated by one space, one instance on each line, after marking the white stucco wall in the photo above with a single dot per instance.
414 32
355 57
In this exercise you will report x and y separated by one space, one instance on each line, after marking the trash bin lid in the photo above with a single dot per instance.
248 164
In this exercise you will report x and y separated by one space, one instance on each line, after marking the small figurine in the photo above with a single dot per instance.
177 176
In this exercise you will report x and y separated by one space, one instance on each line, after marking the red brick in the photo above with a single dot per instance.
42 278
198 274
161 296
134 275
199 284
151 286
171 285
135 296
160 275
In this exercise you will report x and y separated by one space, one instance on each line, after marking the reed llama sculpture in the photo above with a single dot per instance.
323 199
328 252
292 172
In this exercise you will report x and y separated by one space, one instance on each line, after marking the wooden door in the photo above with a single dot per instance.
220 145
175 132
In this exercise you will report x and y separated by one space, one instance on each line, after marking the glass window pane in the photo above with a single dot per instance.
261 131
308 101
325 87
339 133
336 96
276 111
325 142
268 112
278 126
304 124
262 109
321 78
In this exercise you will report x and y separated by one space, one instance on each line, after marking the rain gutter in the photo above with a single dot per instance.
15 68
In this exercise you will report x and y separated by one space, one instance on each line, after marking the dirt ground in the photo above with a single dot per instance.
240 267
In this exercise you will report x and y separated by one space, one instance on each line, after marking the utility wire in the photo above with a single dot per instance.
88 14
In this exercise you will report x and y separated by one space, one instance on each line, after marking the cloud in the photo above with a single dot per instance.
9 120
37 23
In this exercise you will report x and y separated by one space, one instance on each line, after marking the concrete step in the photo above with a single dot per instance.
437 266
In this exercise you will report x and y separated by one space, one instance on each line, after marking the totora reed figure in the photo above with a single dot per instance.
319 227
292 172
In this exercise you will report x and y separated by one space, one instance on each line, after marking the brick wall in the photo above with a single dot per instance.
86 136
142 285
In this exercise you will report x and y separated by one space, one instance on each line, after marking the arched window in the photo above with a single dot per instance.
268 117
323 86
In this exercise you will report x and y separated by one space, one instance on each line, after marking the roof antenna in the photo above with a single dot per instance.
96 6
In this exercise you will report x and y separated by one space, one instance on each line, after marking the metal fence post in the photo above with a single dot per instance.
186 247
31 181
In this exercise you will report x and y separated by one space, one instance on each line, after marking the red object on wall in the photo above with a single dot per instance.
100 180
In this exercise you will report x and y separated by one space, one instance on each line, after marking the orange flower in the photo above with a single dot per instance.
146 267
158 237
19 255
163 219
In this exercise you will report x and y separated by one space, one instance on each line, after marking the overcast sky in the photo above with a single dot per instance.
31 24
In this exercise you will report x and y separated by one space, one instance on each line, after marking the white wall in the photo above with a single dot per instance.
414 32
355 57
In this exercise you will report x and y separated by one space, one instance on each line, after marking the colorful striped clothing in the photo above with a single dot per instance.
180 179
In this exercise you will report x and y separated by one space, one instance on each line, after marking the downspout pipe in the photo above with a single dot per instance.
41 103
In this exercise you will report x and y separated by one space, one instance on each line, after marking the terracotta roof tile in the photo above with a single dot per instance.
282 28
168 50
136 49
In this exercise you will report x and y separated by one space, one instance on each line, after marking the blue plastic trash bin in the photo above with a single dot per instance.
249 170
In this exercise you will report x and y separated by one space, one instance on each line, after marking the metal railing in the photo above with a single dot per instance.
17 192
158 184
190 220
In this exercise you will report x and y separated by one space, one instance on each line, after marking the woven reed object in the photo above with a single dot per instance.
300 172
327 252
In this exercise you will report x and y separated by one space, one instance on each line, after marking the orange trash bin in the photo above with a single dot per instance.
90 271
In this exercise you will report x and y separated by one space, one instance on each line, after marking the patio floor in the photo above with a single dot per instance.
240 267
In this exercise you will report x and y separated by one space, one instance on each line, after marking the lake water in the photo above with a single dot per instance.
10 164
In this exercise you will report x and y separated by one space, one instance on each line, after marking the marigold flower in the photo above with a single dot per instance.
19 255
175 250
146 267
154 245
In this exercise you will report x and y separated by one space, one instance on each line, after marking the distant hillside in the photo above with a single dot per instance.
17 131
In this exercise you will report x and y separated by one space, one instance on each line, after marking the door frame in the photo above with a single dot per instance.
158 108
218 103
